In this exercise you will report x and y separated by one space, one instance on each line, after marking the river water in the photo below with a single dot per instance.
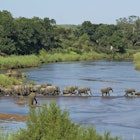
118 114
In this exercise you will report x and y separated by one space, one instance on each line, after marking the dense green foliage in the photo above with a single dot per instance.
50 122
23 36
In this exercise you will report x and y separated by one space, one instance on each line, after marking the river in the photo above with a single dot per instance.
118 114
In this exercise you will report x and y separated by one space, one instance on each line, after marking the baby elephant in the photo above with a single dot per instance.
106 91
130 91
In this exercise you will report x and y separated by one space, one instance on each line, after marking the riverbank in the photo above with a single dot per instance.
12 117
27 61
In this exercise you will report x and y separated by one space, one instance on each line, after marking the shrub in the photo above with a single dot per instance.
51 123
6 81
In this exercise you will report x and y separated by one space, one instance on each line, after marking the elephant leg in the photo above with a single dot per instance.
108 94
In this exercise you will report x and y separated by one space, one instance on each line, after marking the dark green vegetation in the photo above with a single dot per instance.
50 122
24 36
36 41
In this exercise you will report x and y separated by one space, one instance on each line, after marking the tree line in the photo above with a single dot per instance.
24 36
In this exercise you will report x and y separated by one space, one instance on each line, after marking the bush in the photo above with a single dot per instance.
6 81
51 123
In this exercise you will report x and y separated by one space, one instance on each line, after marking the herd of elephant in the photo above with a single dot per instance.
49 89
44 89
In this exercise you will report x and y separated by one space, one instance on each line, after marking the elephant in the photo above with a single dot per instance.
27 89
45 85
52 90
7 91
32 98
85 90
129 91
71 89
18 89
66 91
106 91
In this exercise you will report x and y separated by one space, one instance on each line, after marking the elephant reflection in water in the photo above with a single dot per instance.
130 91
106 91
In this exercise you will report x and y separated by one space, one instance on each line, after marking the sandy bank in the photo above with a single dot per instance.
12 117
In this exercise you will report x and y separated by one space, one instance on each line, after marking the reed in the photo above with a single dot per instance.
137 60
26 61
4 135
14 61
72 56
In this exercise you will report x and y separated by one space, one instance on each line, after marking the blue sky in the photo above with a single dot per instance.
73 11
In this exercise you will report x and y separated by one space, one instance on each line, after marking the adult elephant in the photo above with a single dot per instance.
70 89
52 90
18 90
129 91
106 91
84 90
66 91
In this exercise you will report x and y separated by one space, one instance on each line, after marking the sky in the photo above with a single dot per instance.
73 12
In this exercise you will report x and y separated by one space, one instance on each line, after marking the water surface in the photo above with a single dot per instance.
118 114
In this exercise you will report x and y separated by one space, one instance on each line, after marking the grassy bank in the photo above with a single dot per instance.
11 62
15 62
61 57
137 61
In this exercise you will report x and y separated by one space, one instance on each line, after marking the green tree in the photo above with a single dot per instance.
130 29
7 32
103 32
7 46
82 44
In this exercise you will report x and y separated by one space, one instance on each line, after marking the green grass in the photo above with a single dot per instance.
26 61
72 56
4 135
137 61
19 61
